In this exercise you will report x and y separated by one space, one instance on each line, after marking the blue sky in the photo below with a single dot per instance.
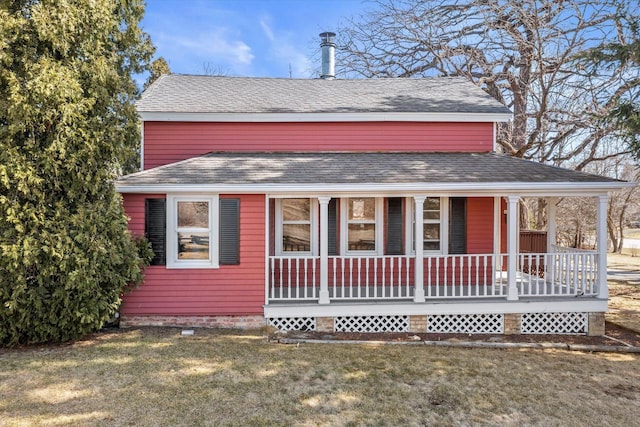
261 38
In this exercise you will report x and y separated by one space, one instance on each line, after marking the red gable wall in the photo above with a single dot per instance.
168 142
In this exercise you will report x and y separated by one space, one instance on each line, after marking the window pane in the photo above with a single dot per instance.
193 245
431 240
362 237
432 204
432 231
431 208
296 238
296 209
362 209
431 246
193 214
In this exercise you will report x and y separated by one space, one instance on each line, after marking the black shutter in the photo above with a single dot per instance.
395 220
458 225
155 228
229 250
333 227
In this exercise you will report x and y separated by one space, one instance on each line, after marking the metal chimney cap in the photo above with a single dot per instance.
327 38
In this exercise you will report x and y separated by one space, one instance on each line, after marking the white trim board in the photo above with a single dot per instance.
377 308
169 116
403 189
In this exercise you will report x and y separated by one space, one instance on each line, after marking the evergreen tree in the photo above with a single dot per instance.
623 54
158 68
67 127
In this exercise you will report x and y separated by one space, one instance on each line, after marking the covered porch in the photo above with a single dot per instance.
421 275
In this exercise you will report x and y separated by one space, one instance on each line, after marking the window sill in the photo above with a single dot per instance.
191 266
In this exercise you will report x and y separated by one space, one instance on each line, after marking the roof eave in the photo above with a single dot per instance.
160 116
470 188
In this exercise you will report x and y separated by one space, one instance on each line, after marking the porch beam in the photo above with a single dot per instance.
512 246
418 292
602 244
323 297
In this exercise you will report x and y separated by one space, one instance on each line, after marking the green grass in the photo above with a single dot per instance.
154 376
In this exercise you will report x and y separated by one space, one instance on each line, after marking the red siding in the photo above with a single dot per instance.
480 225
168 142
228 290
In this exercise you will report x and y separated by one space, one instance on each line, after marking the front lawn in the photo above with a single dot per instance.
155 376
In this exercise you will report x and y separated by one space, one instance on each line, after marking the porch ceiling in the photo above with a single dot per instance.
361 171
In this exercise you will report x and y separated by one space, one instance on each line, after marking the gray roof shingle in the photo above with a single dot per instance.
355 168
212 94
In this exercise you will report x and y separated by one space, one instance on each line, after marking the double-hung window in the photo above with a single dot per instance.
296 219
192 231
362 221
434 229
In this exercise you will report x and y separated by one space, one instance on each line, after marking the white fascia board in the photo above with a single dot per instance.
473 189
148 116
477 306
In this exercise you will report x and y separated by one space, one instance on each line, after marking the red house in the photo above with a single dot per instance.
298 203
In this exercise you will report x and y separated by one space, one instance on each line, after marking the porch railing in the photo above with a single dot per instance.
565 272
294 278
371 277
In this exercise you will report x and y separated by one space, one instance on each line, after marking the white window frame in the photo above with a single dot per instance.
313 207
172 231
344 227
444 227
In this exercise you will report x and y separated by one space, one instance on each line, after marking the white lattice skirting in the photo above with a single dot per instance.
466 323
293 323
371 324
530 323
554 323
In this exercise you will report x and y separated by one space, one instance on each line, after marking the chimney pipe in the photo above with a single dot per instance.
328 55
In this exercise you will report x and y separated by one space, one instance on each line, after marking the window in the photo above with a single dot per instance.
295 221
362 220
431 217
184 233
192 232
434 229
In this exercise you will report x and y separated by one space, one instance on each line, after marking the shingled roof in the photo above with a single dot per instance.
212 94
328 169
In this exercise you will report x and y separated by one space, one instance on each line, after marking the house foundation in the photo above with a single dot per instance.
418 324
324 324
595 325
512 324
223 322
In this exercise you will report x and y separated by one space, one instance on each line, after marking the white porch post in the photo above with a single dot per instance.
497 242
418 292
552 209
267 240
324 249
603 287
512 246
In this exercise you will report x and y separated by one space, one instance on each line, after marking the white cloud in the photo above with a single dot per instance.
286 52
215 47
266 27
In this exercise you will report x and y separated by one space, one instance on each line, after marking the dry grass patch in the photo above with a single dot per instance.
624 296
624 305
149 377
